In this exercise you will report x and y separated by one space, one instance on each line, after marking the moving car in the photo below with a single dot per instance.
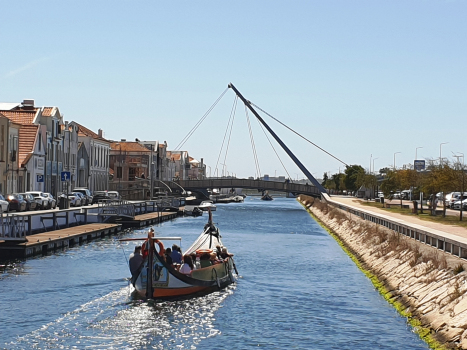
16 202
31 203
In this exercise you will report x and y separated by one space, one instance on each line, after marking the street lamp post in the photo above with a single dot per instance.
374 164
416 152
395 159
441 159
463 185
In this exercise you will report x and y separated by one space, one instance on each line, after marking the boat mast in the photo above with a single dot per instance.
285 148
149 289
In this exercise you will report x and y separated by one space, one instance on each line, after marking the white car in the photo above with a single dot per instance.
41 200
4 204
457 205
114 195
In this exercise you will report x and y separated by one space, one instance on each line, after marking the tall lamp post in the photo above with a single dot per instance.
416 149
374 164
463 185
441 159
395 159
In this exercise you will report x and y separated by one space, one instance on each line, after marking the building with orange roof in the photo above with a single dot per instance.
130 162
46 137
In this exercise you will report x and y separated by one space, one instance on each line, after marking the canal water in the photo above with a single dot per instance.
297 290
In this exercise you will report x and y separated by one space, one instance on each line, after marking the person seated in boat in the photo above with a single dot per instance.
187 266
225 254
176 254
214 259
135 261
193 259
218 251
205 260
168 258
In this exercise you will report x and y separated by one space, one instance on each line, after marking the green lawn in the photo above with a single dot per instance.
447 220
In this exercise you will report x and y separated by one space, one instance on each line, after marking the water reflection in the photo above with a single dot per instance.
117 321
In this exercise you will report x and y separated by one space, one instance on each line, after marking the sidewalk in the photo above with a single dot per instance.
355 202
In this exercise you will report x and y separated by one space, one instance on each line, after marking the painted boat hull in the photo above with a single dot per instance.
169 284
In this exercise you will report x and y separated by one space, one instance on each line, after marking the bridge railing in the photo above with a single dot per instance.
249 183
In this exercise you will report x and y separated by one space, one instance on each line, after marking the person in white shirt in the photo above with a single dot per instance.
187 266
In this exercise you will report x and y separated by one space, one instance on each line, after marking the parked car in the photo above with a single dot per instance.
41 200
31 203
100 196
86 193
51 199
16 202
4 204
82 198
114 195
457 205
73 198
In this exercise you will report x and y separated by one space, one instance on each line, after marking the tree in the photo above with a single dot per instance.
351 174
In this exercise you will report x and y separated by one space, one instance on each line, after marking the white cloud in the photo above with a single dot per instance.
26 67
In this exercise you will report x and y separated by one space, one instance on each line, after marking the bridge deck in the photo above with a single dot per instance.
291 187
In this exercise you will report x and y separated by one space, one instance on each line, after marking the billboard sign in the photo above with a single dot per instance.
419 165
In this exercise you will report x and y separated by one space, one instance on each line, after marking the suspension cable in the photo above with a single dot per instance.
255 156
185 139
232 113
231 128
298 134
280 160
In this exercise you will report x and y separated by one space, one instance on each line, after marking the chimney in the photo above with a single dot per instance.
99 133
28 103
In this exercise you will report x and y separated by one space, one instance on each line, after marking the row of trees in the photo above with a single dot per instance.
445 177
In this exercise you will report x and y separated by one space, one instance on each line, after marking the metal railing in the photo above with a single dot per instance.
13 227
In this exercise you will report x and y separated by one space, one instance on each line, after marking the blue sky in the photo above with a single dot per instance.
361 79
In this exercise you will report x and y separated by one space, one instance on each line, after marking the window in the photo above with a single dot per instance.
119 172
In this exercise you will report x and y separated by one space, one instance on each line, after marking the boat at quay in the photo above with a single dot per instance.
78 298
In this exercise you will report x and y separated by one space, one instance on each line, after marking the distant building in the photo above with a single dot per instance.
98 149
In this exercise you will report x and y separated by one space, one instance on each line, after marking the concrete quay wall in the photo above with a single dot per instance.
424 283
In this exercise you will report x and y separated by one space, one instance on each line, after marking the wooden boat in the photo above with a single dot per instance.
267 197
155 279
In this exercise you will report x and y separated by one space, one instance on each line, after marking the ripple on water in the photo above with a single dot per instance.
113 322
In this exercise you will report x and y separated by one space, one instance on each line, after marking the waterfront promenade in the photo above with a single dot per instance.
409 219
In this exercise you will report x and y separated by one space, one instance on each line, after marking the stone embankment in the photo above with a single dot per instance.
425 284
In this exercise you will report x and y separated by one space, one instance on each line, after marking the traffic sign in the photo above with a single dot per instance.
40 178
65 175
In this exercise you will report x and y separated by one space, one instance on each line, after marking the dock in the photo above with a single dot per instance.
150 218
43 243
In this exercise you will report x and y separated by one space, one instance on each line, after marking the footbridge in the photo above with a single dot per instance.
288 187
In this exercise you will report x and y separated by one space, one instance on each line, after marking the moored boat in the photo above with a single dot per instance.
156 279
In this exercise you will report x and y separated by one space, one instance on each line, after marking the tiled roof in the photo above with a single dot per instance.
83 131
20 117
175 156
47 111
27 137
128 147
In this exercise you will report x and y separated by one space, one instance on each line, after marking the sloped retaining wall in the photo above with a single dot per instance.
425 284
